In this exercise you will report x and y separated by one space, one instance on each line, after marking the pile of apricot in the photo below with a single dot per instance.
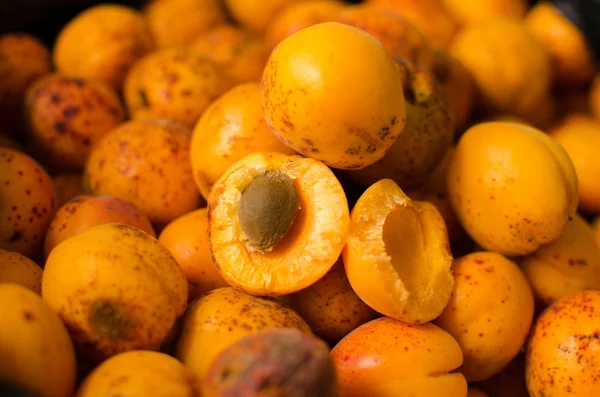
398 198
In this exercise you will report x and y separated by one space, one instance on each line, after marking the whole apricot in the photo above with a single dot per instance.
255 15
232 127
500 194
397 257
83 212
299 15
490 328
567 265
390 358
66 117
567 46
18 269
579 135
221 317
37 354
175 23
472 11
101 43
145 162
67 186
509 66
116 288
138 374
187 239
430 16
277 223
27 203
301 97
564 348
331 307
173 84
242 55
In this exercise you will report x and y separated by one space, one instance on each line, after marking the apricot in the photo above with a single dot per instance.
390 358
473 11
299 15
427 135
242 55
255 15
331 307
66 117
277 223
509 66
101 43
397 258
67 186
567 46
23 59
499 193
145 162
83 212
490 329
564 348
430 16
116 288
18 269
221 317
140 373
232 127
175 23
567 265
579 135
27 203
173 84
301 97
37 354
187 239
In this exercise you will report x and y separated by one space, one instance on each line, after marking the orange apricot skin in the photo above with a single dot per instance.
18 269
187 239
472 11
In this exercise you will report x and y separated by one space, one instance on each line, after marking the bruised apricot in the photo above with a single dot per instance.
83 212
567 265
232 127
398 258
427 135
390 358
101 43
27 203
66 117
490 329
145 162
176 23
116 288
500 194
37 354
173 84
579 135
221 317
280 362
301 97
564 348
241 54
472 11
292 247
187 239
67 186
567 46
18 269
509 66
140 373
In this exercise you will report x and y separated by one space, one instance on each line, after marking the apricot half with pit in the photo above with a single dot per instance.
277 223
398 257
323 109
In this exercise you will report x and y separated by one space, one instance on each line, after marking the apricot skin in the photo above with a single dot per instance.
563 350
18 269
490 330
372 361
472 11
495 187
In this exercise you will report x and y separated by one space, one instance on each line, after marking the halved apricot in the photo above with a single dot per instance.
277 223
398 257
